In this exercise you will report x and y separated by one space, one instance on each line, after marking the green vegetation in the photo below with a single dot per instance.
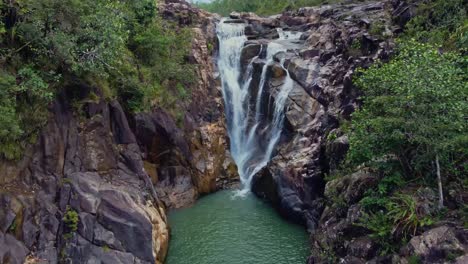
414 110
123 49
444 23
70 221
411 128
260 7
12 228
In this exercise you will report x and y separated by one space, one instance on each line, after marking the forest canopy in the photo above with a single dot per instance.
122 48
412 125
260 7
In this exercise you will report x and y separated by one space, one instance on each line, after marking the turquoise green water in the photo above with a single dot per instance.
220 229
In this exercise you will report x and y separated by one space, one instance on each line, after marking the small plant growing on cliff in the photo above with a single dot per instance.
105 248
355 48
380 226
332 136
210 47
377 29
12 228
70 220
407 219
414 260
397 220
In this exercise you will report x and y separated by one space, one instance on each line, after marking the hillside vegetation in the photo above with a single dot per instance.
260 7
122 49
412 126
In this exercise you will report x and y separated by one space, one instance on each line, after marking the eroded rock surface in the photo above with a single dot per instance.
334 41
89 169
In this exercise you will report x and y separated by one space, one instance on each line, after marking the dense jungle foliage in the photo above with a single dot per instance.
260 7
412 127
122 49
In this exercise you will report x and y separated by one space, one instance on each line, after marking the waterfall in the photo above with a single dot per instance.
244 120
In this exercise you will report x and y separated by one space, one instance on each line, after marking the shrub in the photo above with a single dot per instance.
413 110
20 97
402 209
397 220
441 22
70 220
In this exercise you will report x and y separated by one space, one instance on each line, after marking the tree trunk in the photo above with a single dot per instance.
439 181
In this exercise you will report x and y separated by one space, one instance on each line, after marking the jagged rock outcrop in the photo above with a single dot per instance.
335 41
342 236
197 161
438 244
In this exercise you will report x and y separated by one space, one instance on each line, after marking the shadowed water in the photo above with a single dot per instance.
226 230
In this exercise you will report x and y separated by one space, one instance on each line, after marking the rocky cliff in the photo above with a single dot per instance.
96 186
335 40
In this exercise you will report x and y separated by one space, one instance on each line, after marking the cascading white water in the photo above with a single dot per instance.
249 155
288 34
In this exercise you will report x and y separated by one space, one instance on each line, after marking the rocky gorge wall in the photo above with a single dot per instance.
96 186
336 40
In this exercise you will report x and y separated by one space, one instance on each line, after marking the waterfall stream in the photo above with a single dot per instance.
235 227
244 120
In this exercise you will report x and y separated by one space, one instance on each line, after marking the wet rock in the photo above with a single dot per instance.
175 187
248 53
309 53
277 71
265 186
235 15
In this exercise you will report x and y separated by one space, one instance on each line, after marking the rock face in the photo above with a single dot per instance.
438 244
335 40
88 168
341 237
96 186
198 160
338 234
324 47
